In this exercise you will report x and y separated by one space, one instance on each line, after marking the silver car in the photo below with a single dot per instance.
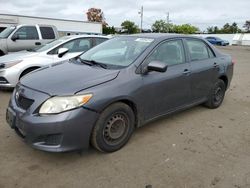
15 65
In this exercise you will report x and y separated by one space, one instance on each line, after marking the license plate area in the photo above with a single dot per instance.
11 118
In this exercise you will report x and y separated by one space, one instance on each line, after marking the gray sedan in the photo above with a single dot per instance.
115 87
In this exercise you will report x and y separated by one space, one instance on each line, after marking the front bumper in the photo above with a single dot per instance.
9 77
66 131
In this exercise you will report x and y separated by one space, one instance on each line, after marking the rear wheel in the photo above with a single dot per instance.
216 95
114 128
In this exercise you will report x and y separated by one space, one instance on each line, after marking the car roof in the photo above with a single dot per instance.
85 36
162 36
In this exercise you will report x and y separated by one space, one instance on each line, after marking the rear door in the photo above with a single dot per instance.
204 68
168 91
27 38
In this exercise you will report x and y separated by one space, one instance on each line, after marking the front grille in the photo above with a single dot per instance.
49 140
3 80
24 102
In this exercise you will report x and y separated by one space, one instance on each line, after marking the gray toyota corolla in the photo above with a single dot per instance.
101 97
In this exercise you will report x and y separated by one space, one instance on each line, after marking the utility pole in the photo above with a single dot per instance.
168 21
141 13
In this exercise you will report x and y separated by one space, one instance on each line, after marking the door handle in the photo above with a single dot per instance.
186 72
38 43
216 65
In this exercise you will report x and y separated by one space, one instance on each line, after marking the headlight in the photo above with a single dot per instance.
10 64
57 105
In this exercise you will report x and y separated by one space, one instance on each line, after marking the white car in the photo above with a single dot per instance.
15 65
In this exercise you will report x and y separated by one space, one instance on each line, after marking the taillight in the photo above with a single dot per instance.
233 62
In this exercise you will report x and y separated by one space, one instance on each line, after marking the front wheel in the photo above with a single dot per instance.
113 128
216 95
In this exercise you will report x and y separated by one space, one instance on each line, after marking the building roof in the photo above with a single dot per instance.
16 15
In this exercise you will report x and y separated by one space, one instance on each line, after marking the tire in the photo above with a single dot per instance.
114 128
1 53
216 95
219 44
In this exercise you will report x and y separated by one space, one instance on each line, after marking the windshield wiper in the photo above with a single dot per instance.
93 62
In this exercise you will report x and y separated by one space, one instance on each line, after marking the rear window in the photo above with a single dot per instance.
47 32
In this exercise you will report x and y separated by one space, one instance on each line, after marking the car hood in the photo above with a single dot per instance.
17 56
67 78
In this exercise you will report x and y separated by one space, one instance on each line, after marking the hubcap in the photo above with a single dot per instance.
218 94
115 129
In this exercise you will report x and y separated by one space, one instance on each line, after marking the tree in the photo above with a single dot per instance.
216 29
227 28
185 29
96 15
160 26
108 30
247 26
210 30
129 27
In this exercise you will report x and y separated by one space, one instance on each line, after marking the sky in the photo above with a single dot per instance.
201 13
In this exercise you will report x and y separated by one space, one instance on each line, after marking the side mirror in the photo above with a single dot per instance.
15 37
62 52
157 66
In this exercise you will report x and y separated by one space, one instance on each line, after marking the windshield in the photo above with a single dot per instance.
5 33
50 45
118 52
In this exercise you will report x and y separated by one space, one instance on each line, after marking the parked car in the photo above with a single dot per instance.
23 37
15 65
217 41
115 87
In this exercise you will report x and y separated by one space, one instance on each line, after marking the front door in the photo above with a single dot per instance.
26 37
168 91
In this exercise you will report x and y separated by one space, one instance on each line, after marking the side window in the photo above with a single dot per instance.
77 45
84 44
198 50
99 40
27 33
47 33
171 53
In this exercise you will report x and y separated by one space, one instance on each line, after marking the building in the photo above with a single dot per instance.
64 27
241 39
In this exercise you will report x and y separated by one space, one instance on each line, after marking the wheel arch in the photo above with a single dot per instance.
27 70
2 52
224 79
131 104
